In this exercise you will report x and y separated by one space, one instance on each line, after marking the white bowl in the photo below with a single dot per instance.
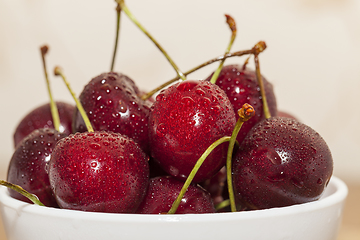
319 220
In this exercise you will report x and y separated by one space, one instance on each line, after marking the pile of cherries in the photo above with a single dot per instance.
121 151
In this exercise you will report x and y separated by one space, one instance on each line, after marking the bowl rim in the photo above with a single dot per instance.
339 194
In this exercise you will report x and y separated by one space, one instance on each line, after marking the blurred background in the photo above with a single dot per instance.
311 59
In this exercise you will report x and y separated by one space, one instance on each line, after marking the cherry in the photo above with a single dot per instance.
99 171
41 117
112 103
184 121
241 86
27 166
281 162
163 191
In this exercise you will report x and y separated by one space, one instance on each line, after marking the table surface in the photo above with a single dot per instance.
350 228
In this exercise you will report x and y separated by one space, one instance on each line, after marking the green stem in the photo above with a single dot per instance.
230 21
53 108
32 197
222 205
134 20
228 164
262 88
194 171
245 113
59 72
118 13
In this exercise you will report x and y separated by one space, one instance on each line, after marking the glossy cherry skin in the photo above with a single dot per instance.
163 191
184 121
99 172
241 86
28 164
41 117
112 103
280 163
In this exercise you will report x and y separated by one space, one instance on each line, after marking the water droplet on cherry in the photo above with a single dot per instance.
161 129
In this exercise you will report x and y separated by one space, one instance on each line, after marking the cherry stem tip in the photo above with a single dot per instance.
246 112
232 25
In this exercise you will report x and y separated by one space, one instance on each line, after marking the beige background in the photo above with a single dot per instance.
312 57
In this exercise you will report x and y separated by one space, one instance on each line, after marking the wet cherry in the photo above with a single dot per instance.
281 162
112 103
184 121
28 164
41 117
99 172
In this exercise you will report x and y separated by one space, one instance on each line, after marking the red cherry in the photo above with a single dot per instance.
281 162
112 103
41 117
99 172
185 120
28 163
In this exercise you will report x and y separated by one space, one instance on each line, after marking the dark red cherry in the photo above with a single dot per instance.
281 162
241 86
41 118
99 172
27 166
163 191
112 103
185 120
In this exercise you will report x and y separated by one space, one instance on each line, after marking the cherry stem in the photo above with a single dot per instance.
53 108
219 58
17 188
245 113
222 204
191 176
231 22
58 72
118 13
246 62
261 82
134 20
